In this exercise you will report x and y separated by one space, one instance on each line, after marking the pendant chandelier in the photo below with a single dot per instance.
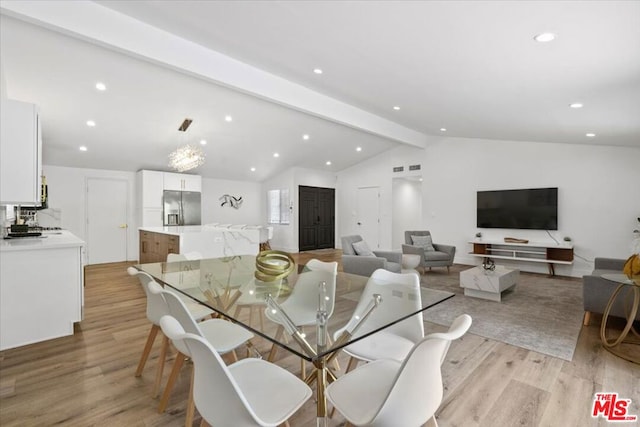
187 156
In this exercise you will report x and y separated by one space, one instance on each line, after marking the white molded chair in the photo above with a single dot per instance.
223 335
400 294
388 393
251 392
302 304
156 308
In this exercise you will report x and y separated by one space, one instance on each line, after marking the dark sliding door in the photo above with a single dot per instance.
316 217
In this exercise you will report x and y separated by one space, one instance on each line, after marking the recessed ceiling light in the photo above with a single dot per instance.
590 135
276 155
101 86
82 148
305 137
544 37
317 70
443 129
253 169
358 148
328 162
203 142
396 107
576 105
228 118
91 123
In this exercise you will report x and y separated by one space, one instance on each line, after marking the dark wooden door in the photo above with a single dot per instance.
316 218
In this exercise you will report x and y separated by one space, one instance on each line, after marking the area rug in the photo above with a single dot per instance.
541 314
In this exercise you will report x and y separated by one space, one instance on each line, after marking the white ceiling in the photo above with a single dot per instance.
471 67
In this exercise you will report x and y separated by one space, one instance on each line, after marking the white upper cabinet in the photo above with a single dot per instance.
182 182
152 187
20 153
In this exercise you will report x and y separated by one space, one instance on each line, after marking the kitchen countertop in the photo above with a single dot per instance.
177 230
48 240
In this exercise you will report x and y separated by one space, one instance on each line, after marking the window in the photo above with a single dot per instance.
278 206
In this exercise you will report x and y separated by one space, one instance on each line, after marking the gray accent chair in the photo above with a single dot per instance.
441 257
597 291
366 265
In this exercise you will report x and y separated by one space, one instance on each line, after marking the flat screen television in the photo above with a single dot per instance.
530 209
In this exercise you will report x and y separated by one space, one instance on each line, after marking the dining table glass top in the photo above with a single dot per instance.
296 306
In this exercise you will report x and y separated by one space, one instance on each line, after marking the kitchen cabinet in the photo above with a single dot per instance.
41 288
152 185
182 182
20 153
154 247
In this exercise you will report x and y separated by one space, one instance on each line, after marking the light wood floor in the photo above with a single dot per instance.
87 379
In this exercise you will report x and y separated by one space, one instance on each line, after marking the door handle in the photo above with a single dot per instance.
123 225
144 247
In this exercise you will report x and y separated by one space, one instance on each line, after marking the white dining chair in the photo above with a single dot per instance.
389 393
302 305
250 392
400 295
223 335
156 308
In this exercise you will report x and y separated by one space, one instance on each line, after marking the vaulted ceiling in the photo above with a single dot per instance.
470 67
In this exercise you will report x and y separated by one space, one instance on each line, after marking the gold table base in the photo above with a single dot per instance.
613 346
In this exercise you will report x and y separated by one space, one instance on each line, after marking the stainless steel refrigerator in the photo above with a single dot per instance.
181 208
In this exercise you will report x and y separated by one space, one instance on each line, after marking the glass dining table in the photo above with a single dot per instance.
326 300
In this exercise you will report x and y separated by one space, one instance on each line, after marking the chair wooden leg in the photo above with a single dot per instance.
353 362
191 406
587 318
286 424
177 365
448 271
274 348
147 349
234 356
431 422
161 361
203 423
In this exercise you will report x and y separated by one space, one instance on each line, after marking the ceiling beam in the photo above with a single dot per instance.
103 26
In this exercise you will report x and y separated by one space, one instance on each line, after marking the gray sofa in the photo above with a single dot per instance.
441 257
366 265
597 291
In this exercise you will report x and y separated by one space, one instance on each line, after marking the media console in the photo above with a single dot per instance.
550 254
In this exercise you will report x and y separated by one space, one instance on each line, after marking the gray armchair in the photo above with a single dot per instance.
442 256
366 265
597 291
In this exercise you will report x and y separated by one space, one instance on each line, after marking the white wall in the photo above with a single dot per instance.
67 192
599 195
285 237
250 212
374 172
407 209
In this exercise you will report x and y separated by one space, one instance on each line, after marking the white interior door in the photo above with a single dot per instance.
106 222
368 215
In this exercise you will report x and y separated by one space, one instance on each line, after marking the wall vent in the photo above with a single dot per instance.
414 167
398 168
185 125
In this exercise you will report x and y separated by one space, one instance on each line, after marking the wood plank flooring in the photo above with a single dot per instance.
87 379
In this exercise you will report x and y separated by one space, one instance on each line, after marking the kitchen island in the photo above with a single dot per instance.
41 287
207 241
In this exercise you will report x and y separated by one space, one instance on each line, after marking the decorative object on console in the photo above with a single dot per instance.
188 156
234 202
567 239
514 240
478 235
489 265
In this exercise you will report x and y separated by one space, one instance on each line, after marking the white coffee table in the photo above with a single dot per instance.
479 283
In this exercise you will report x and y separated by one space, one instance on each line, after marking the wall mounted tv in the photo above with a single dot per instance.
530 209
